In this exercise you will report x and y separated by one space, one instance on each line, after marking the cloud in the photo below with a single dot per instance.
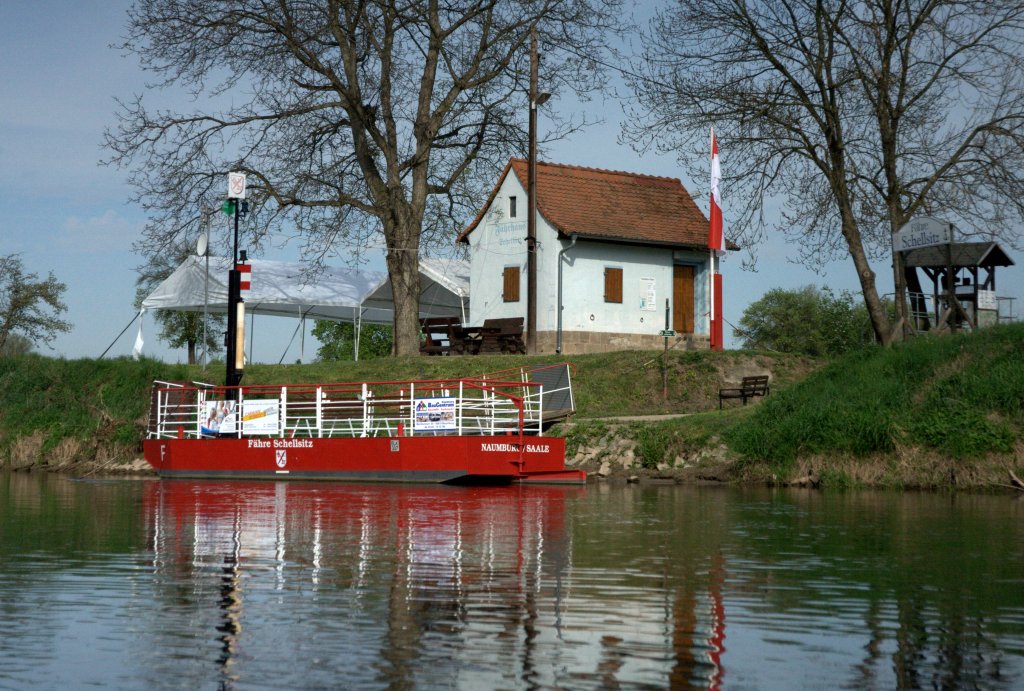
108 231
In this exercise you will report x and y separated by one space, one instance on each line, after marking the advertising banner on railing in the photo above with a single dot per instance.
434 414
220 417
259 417
214 416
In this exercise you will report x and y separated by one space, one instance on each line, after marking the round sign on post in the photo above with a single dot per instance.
236 185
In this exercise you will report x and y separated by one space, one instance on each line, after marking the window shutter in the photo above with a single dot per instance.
510 291
612 285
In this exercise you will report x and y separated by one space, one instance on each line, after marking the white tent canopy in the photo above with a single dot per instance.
286 289
290 289
444 290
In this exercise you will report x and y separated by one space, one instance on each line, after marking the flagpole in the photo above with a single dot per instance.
711 256
711 291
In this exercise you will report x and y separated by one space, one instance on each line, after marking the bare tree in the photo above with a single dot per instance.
859 115
350 118
29 307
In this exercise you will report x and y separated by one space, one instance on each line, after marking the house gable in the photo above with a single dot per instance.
609 205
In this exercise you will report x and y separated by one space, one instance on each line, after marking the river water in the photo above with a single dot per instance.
148 583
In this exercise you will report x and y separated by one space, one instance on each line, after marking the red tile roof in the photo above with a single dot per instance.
610 204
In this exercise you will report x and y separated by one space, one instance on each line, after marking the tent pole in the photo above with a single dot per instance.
252 331
206 305
290 341
357 328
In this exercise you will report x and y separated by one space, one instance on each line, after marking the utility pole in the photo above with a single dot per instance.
531 207
536 99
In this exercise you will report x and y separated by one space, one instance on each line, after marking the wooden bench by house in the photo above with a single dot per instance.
442 336
502 336
749 388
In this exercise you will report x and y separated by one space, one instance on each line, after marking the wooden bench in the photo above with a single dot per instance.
442 336
502 336
749 388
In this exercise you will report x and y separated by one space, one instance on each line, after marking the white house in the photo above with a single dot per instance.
612 247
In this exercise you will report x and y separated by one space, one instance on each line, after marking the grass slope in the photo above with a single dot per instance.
95 410
956 398
930 412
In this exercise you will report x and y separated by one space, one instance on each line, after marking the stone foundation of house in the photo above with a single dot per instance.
604 342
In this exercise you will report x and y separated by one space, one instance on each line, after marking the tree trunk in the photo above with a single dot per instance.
876 310
191 351
403 269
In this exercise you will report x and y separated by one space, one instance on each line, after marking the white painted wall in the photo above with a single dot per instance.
500 241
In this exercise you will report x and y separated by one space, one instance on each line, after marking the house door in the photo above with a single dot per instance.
682 299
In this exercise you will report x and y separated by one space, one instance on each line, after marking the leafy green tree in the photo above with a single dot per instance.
337 338
177 329
28 306
809 320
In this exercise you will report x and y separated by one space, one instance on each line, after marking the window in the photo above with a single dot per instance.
510 291
512 207
612 285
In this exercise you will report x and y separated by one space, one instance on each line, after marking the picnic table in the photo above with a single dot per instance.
442 336
447 336
501 336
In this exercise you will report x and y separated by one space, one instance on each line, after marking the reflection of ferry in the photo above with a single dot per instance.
401 558
472 429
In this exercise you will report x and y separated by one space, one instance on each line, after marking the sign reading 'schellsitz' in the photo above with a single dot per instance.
922 232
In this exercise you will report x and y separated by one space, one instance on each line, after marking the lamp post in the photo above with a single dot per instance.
531 203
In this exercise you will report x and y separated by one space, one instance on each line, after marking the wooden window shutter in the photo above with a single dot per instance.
510 291
612 285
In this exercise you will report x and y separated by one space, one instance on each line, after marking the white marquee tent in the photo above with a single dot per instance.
444 290
291 289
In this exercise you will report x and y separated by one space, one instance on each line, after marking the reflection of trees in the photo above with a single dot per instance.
925 575
928 580
328 585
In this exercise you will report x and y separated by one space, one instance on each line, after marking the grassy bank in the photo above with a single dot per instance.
57 412
934 412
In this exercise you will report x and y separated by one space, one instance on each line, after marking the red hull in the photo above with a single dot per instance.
376 459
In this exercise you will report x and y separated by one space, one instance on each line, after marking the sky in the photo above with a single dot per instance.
62 211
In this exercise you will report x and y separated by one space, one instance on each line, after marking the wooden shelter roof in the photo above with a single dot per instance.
987 254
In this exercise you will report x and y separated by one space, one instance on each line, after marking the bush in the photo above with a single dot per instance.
809 321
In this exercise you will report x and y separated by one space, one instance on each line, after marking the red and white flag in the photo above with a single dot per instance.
715 239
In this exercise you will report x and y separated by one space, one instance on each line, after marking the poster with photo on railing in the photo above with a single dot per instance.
219 418
433 414
215 417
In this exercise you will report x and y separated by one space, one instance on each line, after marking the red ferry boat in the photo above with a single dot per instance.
487 429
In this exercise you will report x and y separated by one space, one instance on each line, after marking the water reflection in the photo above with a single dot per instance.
433 565
235 584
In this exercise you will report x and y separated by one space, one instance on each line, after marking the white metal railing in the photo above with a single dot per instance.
497 404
